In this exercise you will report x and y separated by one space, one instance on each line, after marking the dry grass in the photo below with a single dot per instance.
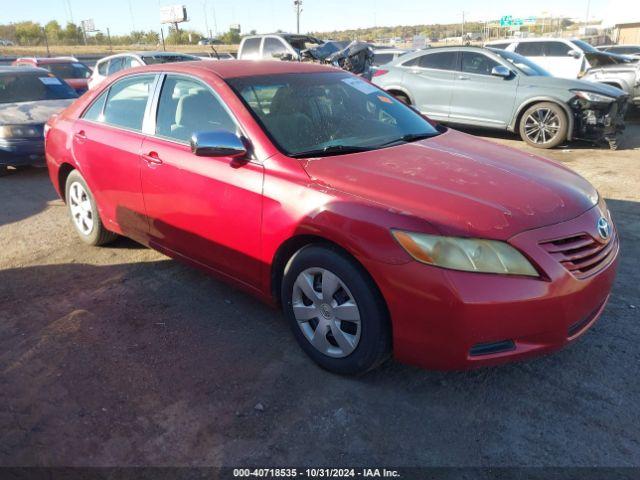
104 50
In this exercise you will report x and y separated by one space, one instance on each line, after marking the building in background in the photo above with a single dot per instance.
627 33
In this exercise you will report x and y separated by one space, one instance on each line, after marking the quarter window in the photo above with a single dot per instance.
127 102
187 106
477 63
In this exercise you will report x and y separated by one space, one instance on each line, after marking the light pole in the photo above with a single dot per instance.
298 6
586 19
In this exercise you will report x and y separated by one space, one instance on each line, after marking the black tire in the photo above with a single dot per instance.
374 345
560 127
4 170
98 235
402 97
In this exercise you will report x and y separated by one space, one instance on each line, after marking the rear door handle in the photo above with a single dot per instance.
152 158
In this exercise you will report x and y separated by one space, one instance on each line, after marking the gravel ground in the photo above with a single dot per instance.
121 356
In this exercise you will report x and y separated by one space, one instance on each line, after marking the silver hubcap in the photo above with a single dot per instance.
81 210
542 125
326 312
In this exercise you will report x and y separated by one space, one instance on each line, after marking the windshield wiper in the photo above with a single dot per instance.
409 137
331 150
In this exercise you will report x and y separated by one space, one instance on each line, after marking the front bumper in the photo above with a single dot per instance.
451 320
598 121
21 152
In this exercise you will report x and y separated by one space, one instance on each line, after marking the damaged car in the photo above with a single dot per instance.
493 88
619 72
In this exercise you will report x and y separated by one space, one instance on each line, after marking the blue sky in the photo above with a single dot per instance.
270 15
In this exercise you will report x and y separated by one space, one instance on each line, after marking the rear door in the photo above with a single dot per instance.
106 144
207 209
480 98
430 79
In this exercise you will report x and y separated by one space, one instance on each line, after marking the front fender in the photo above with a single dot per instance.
543 98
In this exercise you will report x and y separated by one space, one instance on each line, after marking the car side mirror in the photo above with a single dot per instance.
287 57
574 53
501 71
217 143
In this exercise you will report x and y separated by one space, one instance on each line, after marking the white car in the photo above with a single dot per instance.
276 46
114 63
561 57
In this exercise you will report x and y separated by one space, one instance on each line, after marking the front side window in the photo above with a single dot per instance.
523 64
187 106
556 49
382 58
127 101
273 47
94 112
328 113
24 86
478 63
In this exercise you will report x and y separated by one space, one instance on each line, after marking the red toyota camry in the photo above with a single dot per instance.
377 231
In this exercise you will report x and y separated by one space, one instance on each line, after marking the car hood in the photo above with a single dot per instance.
31 112
569 84
461 185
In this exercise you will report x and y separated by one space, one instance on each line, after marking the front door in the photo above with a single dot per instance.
207 209
480 98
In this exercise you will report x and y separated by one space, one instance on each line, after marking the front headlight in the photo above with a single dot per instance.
593 97
467 254
20 131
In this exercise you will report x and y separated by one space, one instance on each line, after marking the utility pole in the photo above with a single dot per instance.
462 37
298 6
206 21
586 19
46 41
215 22
109 38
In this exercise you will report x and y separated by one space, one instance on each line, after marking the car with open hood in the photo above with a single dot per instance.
492 88
376 231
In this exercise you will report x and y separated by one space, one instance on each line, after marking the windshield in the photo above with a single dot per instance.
523 64
585 46
33 86
152 59
328 113
69 70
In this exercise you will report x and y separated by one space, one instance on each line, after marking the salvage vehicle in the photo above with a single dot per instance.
114 63
70 69
494 88
376 231
632 51
275 46
28 97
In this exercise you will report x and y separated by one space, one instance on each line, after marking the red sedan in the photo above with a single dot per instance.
377 231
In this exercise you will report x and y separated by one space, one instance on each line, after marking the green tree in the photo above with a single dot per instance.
72 34
29 33
53 31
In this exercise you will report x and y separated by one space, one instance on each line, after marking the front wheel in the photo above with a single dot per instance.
544 125
84 212
335 311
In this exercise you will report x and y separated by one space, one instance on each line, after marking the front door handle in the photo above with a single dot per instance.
80 135
152 158
462 77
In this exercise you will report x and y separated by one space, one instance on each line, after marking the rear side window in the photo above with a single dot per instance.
473 62
272 47
187 106
21 86
440 61
102 68
94 112
530 49
115 65
251 47
127 101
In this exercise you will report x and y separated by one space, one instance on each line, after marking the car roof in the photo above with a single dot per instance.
47 60
240 68
142 53
6 69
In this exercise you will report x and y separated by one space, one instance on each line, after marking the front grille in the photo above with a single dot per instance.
582 254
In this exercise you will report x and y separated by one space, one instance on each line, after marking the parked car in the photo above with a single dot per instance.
28 97
122 61
375 230
632 51
214 56
275 46
72 71
6 43
209 41
499 89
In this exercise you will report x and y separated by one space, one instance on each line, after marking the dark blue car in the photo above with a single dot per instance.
28 97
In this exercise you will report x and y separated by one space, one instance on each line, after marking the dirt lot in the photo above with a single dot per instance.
120 356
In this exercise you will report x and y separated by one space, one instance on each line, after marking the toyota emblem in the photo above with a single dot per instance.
604 228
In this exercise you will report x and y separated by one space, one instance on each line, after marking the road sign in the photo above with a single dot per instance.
88 25
509 21
173 14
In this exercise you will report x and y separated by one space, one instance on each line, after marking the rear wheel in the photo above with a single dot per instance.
84 212
336 313
544 125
